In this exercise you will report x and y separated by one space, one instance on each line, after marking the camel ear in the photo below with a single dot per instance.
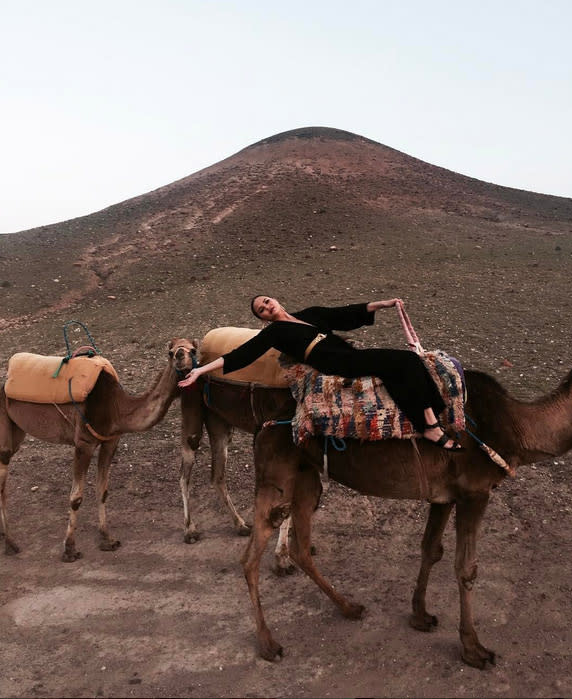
171 344
196 343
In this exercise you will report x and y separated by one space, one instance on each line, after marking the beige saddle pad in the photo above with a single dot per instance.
265 370
31 377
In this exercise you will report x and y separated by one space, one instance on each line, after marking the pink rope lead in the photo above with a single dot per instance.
413 342
410 334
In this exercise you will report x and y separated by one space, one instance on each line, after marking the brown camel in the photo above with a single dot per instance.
222 405
111 412
288 483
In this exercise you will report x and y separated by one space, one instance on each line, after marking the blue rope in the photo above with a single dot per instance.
468 418
75 405
68 356
474 436
334 442
90 338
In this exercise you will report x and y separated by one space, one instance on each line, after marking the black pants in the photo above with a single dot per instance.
403 374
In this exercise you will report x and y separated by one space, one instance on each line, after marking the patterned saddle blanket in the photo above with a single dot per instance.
362 408
43 379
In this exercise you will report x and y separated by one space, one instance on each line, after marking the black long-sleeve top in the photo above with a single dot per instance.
293 338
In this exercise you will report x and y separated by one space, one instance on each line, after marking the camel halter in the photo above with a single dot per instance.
194 362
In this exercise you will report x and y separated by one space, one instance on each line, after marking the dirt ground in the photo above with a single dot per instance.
160 618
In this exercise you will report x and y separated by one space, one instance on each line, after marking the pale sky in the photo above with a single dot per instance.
103 101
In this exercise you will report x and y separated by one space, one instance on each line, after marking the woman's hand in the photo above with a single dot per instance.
194 374
189 379
389 303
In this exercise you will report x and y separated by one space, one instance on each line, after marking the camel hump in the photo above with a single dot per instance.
31 377
265 370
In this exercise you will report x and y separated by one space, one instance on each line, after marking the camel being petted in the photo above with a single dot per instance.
244 401
97 415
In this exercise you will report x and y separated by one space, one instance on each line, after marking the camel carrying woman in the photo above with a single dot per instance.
307 336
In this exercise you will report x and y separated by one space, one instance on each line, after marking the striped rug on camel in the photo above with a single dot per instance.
362 408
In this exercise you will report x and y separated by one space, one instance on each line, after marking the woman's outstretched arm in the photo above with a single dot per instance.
238 358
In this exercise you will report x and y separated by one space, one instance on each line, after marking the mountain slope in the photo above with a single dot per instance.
308 213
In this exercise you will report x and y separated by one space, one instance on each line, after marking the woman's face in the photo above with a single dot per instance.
266 307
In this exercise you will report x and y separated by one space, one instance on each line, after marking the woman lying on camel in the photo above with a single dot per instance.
307 336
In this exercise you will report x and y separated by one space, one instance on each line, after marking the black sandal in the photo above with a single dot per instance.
443 439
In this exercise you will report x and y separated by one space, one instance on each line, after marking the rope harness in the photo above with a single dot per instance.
85 350
489 451
337 443
84 419
249 388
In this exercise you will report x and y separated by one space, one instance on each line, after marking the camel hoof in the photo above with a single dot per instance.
479 657
192 537
71 556
281 570
426 623
354 611
244 529
109 545
271 651
10 548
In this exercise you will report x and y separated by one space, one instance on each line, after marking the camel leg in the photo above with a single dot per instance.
431 553
282 562
106 453
10 546
469 515
11 436
305 501
220 433
276 463
269 512
82 458
191 432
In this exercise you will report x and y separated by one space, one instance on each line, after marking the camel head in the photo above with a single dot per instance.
183 355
